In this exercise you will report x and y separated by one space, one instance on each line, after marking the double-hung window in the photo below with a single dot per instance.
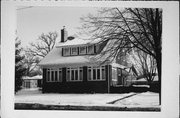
96 73
103 73
74 51
90 49
97 47
54 75
74 74
82 50
66 51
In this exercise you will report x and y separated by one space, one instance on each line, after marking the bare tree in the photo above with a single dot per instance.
144 64
30 61
139 28
38 50
44 45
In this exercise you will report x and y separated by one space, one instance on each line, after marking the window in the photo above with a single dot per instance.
97 48
81 73
74 74
66 51
48 75
60 75
68 74
74 51
114 74
54 75
103 72
90 49
82 50
96 73
89 73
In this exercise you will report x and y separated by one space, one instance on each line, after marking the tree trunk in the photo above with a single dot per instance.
158 59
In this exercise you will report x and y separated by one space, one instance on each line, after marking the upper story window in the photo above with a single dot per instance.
90 49
82 50
74 51
97 47
66 51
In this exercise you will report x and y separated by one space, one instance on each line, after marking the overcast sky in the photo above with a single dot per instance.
33 21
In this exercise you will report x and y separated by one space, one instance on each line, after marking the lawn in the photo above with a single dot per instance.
125 100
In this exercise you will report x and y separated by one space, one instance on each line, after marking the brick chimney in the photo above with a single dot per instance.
64 34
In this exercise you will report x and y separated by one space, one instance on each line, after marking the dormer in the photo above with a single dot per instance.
77 46
77 50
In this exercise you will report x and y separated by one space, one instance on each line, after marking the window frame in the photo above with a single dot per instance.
76 76
75 51
51 75
96 48
80 53
64 52
88 52
95 70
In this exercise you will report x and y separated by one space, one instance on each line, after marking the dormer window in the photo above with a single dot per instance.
97 48
66 51
74 51
90 49
82 50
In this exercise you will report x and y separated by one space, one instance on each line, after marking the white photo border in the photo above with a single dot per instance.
170 60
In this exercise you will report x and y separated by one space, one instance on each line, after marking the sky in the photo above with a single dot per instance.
33 21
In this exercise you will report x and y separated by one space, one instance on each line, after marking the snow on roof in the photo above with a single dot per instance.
118 65
55 58
78 41
144 79
34 77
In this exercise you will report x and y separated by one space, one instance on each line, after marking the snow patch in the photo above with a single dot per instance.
147 99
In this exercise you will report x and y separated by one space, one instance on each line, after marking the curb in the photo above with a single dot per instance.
26 106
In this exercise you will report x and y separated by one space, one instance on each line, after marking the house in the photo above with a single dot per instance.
32 82
79 65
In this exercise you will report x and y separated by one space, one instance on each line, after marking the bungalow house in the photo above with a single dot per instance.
78 65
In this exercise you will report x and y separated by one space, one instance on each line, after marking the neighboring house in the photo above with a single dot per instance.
32 82
79 65
143 81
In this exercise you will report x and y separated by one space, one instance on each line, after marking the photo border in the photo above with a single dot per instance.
170 60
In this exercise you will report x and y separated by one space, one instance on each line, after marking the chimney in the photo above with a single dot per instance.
64 34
